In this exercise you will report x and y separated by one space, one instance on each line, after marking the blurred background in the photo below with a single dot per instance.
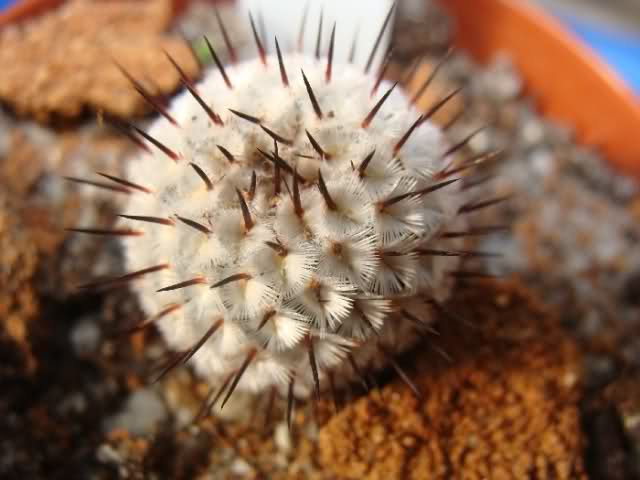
610 27
77 403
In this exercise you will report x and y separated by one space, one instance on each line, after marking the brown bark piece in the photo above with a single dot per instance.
18 300
62 63
506 407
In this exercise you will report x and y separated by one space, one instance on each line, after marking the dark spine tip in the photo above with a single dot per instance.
462 143
125 182
278 248
477 231
183 76
149 321
215 118
418 193
357 371
406 136
114 232
283 71
218 63
245 116
203 176
365 163
369 118
185 284
329 70
401 373
147 96
126 130
312 96
246 214
297 201
277 180
124 279
303 22
267 316
253 186
290 402
376 45
331 205
319 36
354 45
232 52
195 225
104 186
278 138
316 146
227 154
149 219
249 358
474 206
230 279
314 367
437 106
156 143
206 408
431 77
261 51
382 72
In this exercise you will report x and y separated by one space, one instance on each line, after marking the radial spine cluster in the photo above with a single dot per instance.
286 227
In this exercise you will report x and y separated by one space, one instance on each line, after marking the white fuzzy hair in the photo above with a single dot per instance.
333 276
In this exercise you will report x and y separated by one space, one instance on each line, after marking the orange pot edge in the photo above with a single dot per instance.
26 8
567 81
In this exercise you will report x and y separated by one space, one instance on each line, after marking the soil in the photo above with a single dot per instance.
541 369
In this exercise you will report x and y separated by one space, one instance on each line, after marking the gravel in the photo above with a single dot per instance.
575 223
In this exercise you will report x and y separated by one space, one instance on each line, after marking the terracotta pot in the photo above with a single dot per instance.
568 82
23 9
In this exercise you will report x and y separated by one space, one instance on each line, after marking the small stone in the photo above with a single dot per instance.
532 132
482 141
85 336
500 82
107 454
241 468
75 403
282 437
541 162
143 410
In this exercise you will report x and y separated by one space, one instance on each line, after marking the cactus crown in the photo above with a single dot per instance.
290 213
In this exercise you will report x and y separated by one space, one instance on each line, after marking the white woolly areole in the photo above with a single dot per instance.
335 277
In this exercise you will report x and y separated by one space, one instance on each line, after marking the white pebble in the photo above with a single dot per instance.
282 437
143 410
85 336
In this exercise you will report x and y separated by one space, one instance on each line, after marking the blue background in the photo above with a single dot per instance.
620 50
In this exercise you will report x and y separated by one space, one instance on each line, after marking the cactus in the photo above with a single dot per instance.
287 227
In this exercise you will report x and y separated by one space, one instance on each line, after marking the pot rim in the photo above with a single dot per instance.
569 83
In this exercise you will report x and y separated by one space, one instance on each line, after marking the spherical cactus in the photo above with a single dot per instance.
288 223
